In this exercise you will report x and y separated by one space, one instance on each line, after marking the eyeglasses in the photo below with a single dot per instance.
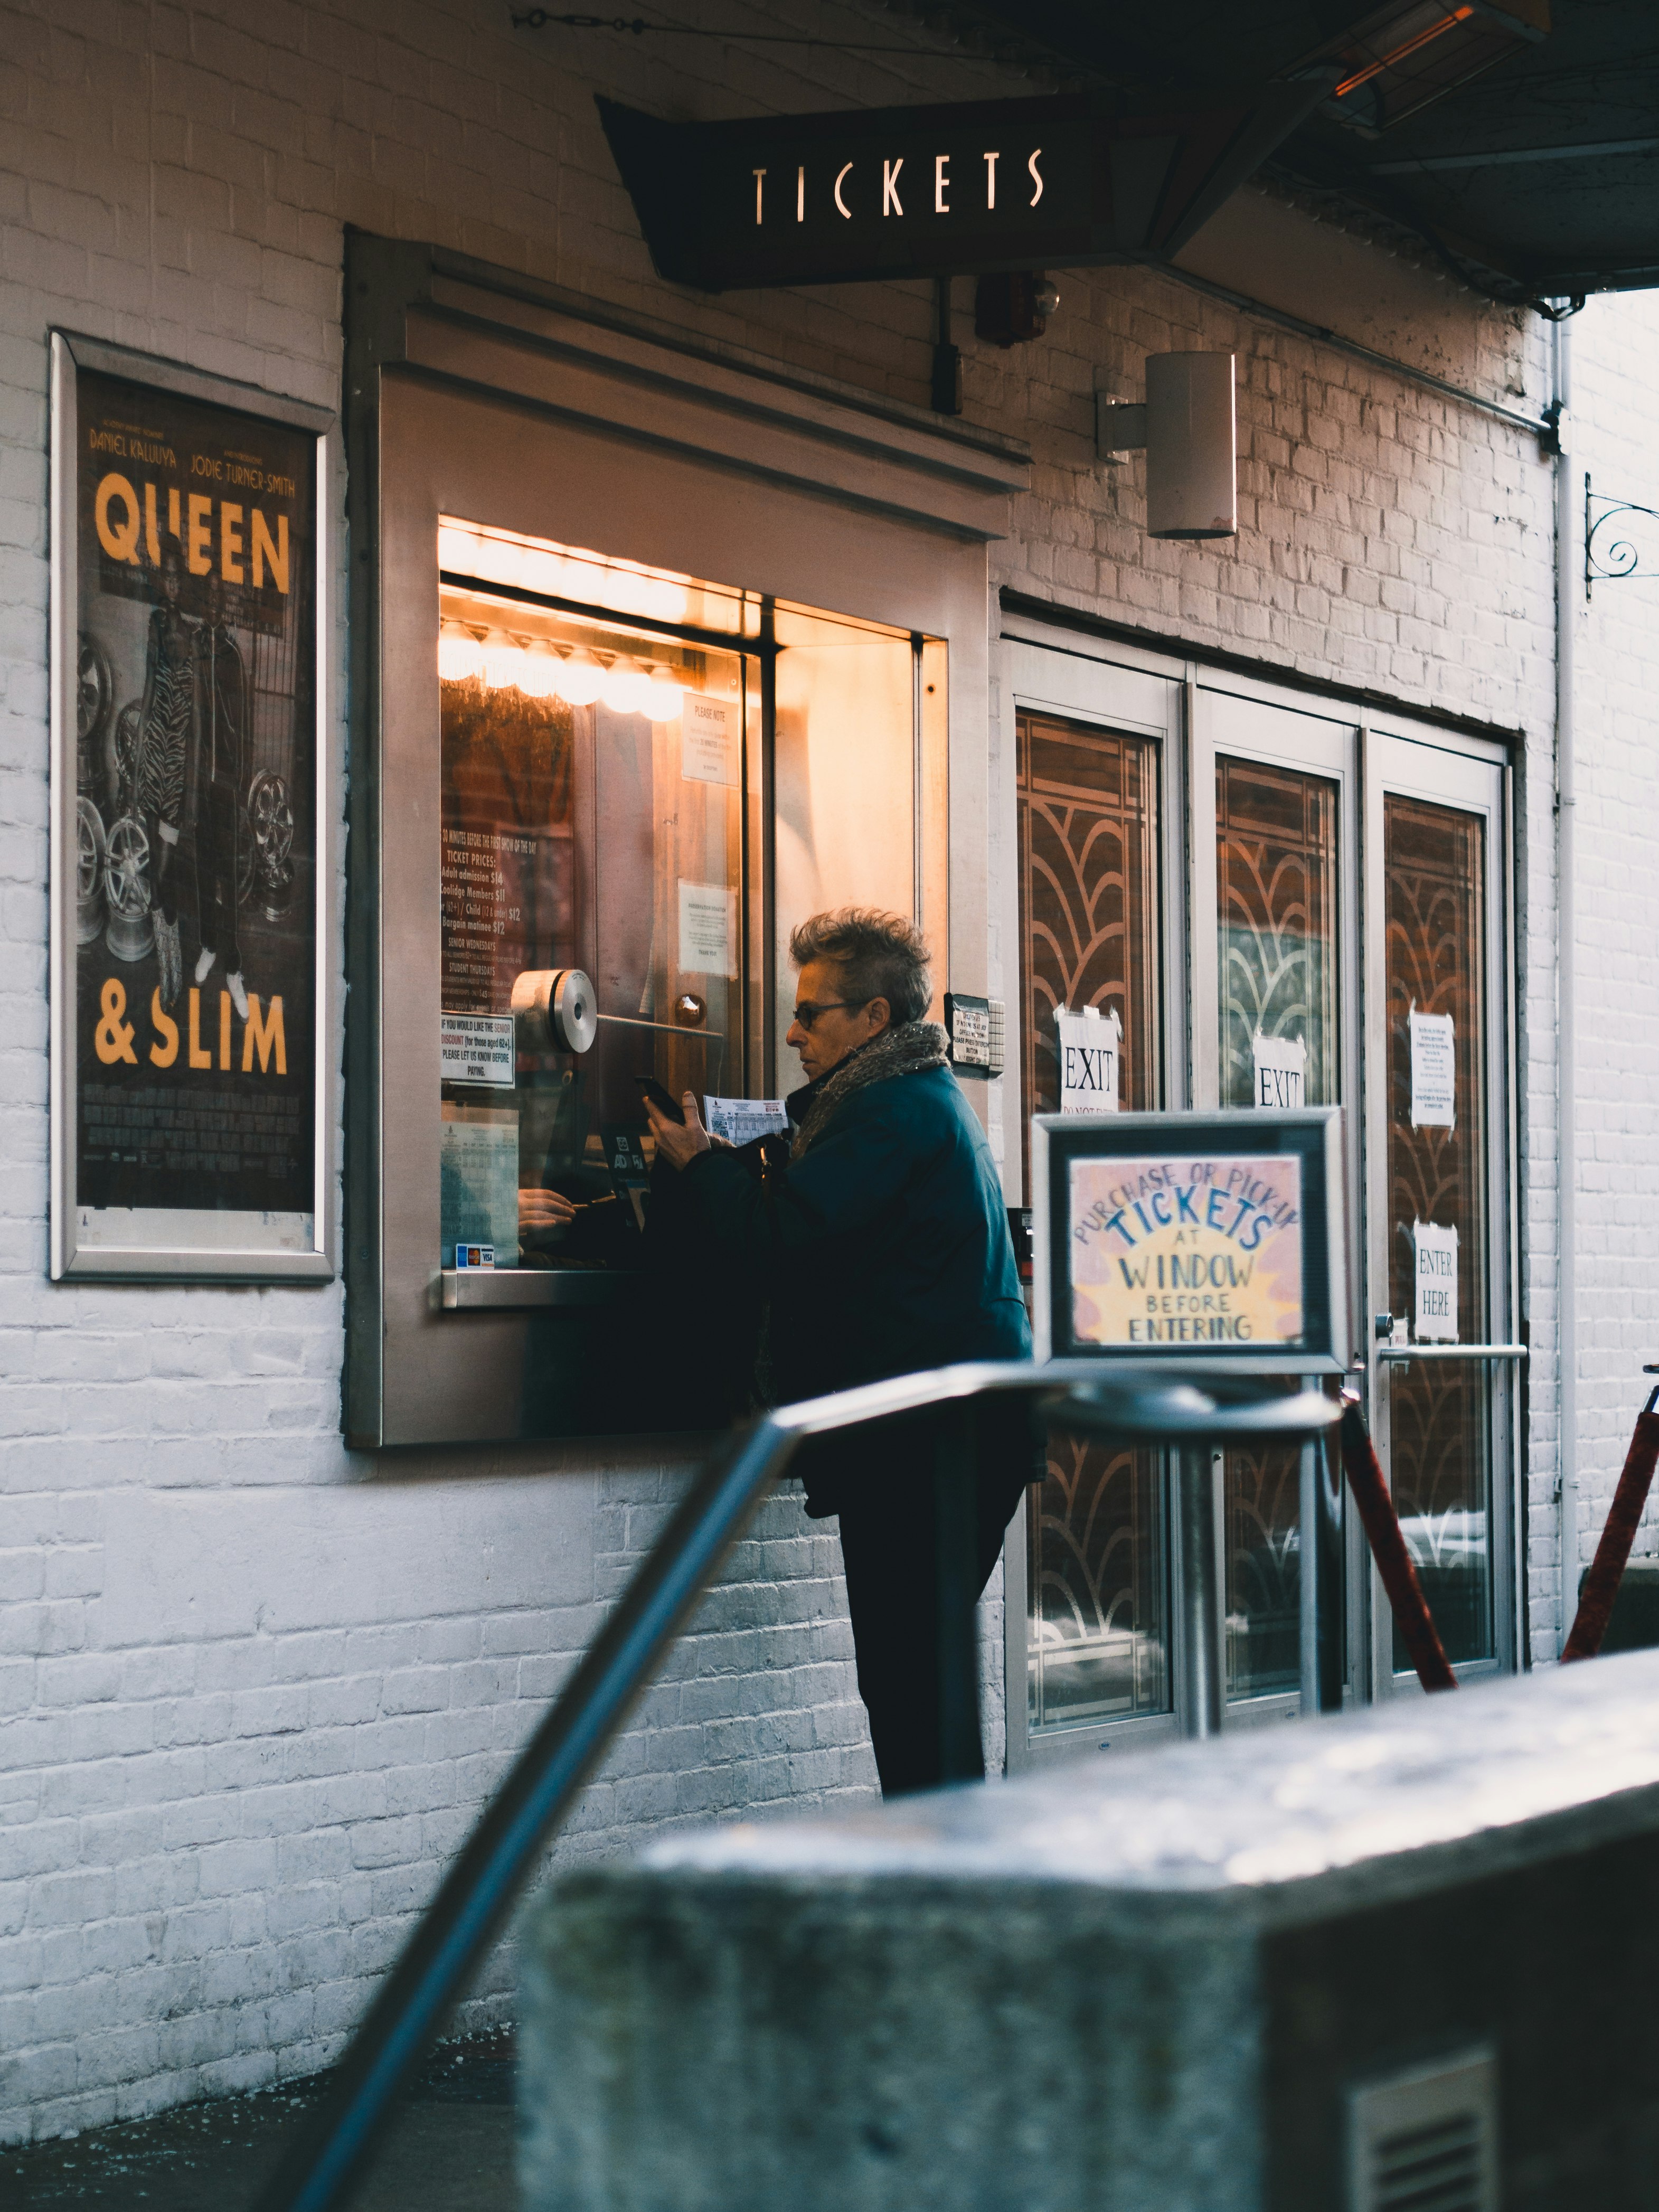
806 1013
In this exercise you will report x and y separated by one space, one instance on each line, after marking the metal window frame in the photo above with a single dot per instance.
1039 676
522 405
1470 775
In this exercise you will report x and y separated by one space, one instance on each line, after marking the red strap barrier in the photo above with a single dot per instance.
1394 1561
1606 1570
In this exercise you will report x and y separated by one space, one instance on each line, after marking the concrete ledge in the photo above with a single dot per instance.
1155 1980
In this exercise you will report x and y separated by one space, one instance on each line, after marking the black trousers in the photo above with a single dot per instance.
888 1546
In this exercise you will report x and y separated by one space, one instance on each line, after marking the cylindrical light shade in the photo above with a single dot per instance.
1192 489
459 654
625 688
662 696
580 678
539 669
501 661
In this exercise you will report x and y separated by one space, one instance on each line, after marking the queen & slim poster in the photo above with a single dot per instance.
190 700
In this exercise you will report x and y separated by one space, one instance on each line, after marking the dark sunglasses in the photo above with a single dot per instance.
806 1013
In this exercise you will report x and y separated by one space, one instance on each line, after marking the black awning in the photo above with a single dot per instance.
1521 136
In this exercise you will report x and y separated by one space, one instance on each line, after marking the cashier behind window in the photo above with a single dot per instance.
882 1248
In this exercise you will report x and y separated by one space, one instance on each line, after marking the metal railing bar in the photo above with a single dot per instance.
1397 1354
474 1897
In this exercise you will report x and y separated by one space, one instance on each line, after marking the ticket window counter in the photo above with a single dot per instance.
648 780
1277 902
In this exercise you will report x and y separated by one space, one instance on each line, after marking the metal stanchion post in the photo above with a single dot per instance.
1331 1580
955 1465
1196 1424
1310 1566
1202 1681
1320 1536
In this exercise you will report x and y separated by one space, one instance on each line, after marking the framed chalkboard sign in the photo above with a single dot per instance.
1192 1240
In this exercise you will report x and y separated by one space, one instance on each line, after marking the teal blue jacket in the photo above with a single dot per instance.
885 1248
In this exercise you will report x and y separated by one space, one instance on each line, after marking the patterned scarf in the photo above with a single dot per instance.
905 1050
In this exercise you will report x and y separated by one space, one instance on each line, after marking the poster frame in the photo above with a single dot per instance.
186 1261
1315 1133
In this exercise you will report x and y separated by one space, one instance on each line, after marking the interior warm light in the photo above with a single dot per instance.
539 671
626 687
460 657
499 560
458 550
662 696
580 678
541 571
665 602
503 661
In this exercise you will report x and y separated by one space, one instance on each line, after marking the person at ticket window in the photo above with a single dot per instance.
881 1247
221 769
162 764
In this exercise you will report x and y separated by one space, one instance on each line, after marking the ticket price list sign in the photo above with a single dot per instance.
186 545
1187 1251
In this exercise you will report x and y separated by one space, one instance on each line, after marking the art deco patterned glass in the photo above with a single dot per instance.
1276 892
1088 891
1440 1459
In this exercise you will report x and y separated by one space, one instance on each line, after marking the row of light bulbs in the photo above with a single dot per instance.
578 677
595 582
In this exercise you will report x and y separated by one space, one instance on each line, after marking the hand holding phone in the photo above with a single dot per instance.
676 1124
667 1106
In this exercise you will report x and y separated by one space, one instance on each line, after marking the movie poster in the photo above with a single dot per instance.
194 968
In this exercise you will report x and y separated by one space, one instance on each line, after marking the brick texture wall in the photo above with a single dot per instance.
252 1690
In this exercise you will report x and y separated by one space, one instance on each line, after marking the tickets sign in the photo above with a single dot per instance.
1204 1251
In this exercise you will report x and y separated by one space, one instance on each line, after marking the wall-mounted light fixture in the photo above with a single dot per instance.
1187 426
1014 306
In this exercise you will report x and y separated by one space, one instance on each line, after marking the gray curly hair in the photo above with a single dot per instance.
878 956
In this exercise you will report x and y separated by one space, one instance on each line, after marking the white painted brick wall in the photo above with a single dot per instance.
252 1690
1616 409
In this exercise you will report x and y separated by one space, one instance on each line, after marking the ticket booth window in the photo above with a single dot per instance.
646 781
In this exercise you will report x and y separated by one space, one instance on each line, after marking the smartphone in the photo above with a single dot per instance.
669 1108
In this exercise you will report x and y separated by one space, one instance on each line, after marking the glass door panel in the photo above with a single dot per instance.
1277 955
1088 833
1435 870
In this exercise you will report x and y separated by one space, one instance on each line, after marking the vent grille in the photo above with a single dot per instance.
1426 2141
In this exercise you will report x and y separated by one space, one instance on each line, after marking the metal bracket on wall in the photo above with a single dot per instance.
1622 540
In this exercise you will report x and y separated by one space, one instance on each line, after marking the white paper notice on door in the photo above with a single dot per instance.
1434 1055
709 739
1089 1045
709 929
1282 1071
1437 1283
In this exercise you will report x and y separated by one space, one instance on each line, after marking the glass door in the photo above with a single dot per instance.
1099 829
1439 1099
1281 905
1275 850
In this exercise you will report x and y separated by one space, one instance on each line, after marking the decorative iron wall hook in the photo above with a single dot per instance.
1622 540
